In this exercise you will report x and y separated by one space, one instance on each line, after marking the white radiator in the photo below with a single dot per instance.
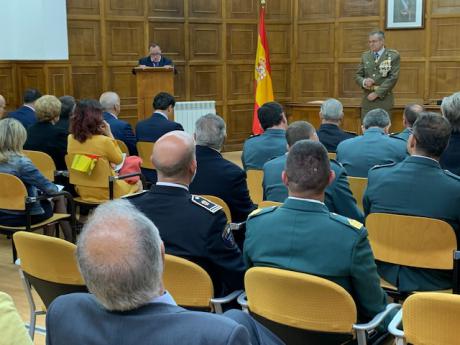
186 113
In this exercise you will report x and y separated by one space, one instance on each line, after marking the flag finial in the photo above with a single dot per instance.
262 2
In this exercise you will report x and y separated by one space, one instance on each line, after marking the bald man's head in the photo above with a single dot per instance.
174 157
110 102
2 106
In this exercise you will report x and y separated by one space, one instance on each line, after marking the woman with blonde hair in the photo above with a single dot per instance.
12 161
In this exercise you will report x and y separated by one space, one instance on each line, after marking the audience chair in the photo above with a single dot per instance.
191 286
145 149
429 318
267 203
254 180
123 147
397 239
14 197
43 162
305 309
221 203
332 155
48 265
358 186
12 328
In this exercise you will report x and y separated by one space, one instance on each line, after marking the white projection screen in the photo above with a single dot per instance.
33 30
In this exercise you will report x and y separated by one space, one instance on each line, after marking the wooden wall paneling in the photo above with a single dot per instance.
87 81
444 79
205 82
240 82
59 79
8 88
281 79
242 41
278 10
354 8
354 37
279 41
445 40
125 7
205 9
31 76
180 82
409 43
242 9
166 8
315 81
123 82
125 40
84 40
445 7
204 41
239 124
79 7
410 86
170 37
316 41
316 10
346 81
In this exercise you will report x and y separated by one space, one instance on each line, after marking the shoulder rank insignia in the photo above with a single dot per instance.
253 213
260 211
205 203
354 223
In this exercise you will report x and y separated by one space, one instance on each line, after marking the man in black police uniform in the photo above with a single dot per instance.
155 59
190 226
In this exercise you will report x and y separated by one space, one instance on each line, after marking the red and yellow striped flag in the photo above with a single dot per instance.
263 79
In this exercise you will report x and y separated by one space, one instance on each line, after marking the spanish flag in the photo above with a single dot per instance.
263 79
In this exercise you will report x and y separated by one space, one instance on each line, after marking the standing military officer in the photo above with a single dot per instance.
377 74
303 236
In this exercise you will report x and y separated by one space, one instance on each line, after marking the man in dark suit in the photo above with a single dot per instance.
26 113
215 175
121 130
374 147
329 133
67 105
121 258
450 108
417 186
338 196
410 114
190 226
155 59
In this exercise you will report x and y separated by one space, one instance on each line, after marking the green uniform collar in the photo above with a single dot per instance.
305 205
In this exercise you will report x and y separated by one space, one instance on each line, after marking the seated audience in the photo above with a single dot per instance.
121 130
410 114
374 147
67 105
2 106
302 235
215 175
259 149
330 134
190 226
121 258
417 186
338 196
12 161
11 326
91 135
26 113
44 135
450 159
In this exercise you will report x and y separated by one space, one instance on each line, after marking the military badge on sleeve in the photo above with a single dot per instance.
227 236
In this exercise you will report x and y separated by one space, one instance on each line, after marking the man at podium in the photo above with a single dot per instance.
155 59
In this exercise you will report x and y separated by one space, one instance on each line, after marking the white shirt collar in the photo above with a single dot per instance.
164 115
380 52
425 157
171 184
308 200
29 106
165 298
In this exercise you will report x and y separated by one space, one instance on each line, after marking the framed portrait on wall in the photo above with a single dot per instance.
404 14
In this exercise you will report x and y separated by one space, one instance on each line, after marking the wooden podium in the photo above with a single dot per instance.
150 81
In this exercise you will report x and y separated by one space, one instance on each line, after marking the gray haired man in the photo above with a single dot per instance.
121 258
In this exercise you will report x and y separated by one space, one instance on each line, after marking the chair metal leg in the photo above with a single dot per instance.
361 337
13 247
30 299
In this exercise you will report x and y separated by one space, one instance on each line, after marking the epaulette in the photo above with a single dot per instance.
336 162
451 174
205 203
253 136
347 221
350 132
260 211
382 165
395 137
394 51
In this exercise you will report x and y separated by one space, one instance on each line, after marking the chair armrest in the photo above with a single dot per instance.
243 301
217 302
377 318
456 273
119 177
64 173
393 327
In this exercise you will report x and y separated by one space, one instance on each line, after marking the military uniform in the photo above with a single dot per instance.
331 135
258 149
384 81
450 158
416 186
404 135
302 235
338 196
359 154
196 230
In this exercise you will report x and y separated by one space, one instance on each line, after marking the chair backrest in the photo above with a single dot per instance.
299 300
254 180
267 203
43 162
222 204
13 193
358 186
99 176
431 318
123 147
411 241
145 149
188 283
332 155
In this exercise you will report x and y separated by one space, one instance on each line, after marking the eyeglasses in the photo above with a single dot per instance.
156 54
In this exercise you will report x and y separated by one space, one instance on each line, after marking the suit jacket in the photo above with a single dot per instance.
219 177
403 135
191 231
154 127
79 319
46 137
331 135
304 236
25 115
416 186
259 149
450 159
122 130
359 154
338 196
147 61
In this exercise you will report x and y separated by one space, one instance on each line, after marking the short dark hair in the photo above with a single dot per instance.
307 167
67 105
163 100
153 45
411 112
31 95
270 114
432 133
376 118
299 130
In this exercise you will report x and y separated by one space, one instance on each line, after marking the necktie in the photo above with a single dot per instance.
376 56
